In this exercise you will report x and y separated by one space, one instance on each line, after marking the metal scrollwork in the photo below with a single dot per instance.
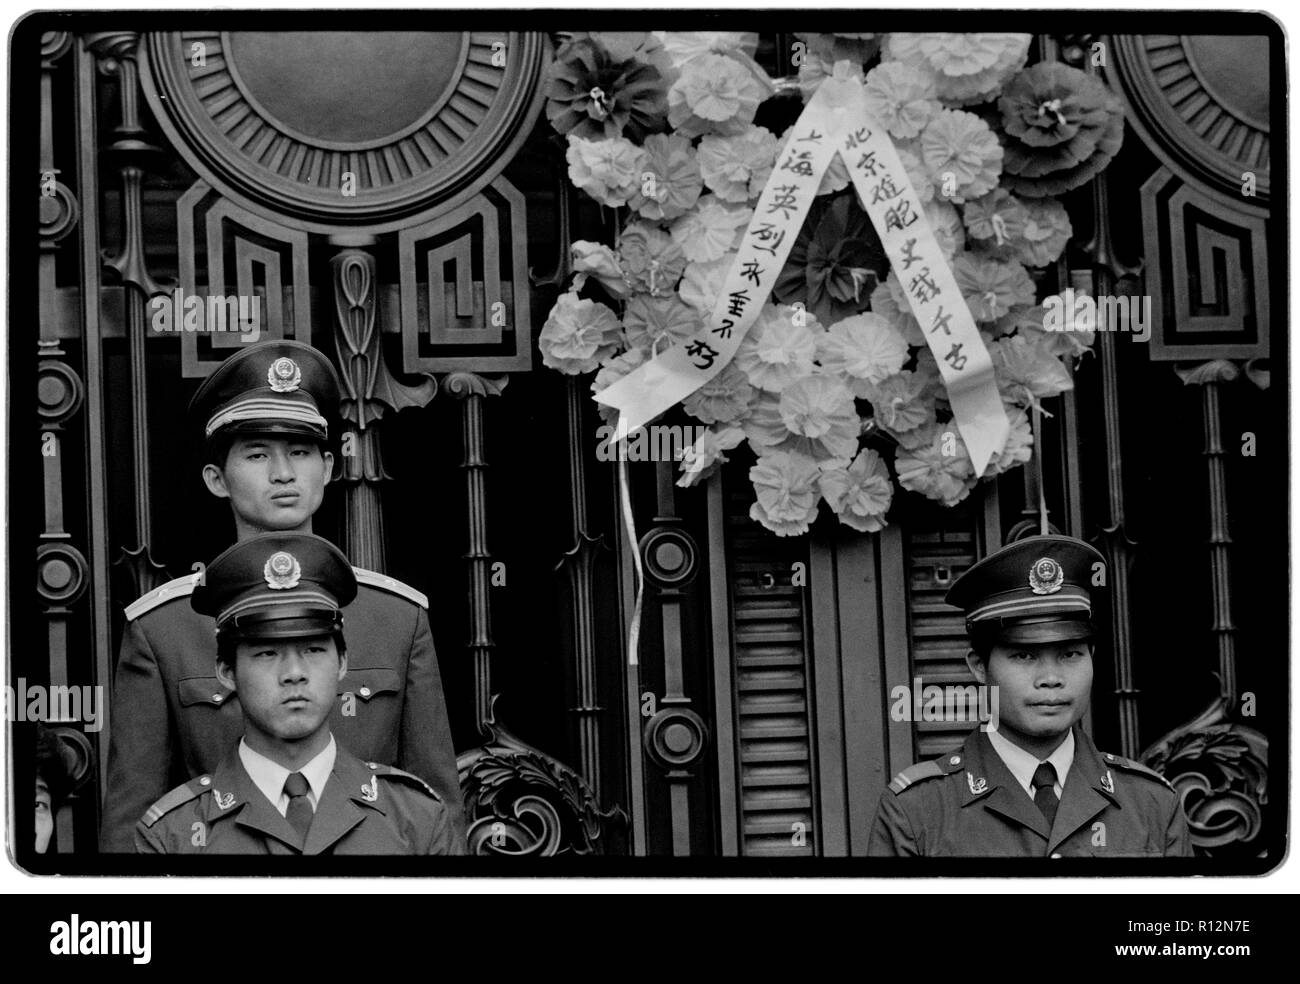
1220 769
521 802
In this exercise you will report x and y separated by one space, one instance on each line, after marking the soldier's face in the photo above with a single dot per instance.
274 484
1043 688
286 687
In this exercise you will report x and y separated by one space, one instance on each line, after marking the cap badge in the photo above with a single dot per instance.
284 376
1107 783
282 571
1046 576
977 786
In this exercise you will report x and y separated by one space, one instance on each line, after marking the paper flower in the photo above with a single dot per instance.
703 458
917 174
785 486
639 45
902 98
889 300
779 347
736 168
865 348
834 261
683 46
651 261
817 406
945 221
654 324
611 371
578 334
593 94
711 229
962 155
860 494
966 68
702 283
992 287
1047 230
715 94
607 170
723 399
1019 447
1025 372
901 403
857 49
670 183
996 221
763 427
597 260
939 469
1061 125
1066 342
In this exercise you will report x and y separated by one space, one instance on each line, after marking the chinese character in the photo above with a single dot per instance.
814 136
955 357
751 271
799 162
922 287
909 254
941 320
784 200
703 351
884 190
868 163
724 331
736 306
858 137
766 232
900 216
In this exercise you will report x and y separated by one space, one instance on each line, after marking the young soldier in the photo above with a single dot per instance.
1035 785
260 415
287 787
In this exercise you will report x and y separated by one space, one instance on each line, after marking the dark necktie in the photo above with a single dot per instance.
300 812
1043 781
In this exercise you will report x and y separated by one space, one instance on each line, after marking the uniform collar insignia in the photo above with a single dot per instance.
1107 783
223 800
370 791
977 786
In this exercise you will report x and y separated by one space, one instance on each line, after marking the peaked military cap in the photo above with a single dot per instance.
273 387
277 586
1038 589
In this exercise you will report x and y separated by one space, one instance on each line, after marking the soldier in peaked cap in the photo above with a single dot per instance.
288 787
262 418
1033 784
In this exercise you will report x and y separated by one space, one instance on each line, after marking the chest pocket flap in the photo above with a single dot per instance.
370 682
203 690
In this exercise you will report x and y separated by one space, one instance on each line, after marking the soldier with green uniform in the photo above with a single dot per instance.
1033 785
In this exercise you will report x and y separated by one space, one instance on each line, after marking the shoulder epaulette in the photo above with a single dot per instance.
177 797
181 587
386 583
1128 765
916 773
390 772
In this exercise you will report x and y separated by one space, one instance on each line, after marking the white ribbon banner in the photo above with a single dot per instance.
836 120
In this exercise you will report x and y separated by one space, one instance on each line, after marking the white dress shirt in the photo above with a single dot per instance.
1023 765
269 776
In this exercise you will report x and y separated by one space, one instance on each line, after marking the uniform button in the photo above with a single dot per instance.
364 691
217 698
1110 757
205 781
955 760
371 765
1056 855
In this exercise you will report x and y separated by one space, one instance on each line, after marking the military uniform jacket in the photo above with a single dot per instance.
970 805
172 719
364 809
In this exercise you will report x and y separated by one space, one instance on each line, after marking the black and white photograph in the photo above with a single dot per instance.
609 444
